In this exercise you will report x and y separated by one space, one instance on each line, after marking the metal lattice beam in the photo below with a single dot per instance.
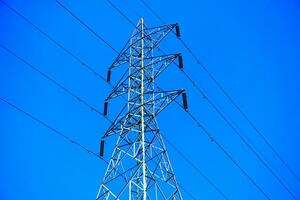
139 167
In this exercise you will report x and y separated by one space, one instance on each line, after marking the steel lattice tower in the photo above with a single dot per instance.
139 167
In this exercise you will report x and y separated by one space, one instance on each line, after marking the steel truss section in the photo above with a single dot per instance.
139 167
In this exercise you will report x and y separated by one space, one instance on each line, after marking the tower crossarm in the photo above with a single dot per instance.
159 64
161 98
153 34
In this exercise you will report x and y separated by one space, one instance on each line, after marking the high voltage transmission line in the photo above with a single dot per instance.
197 122
54 130
249 146
244 141
73 54
214 107
46 76
168 95
196 168
67 91
52 40
101 77
77 98
222 115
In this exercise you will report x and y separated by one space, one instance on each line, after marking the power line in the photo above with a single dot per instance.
68 52
120 12
50 38
67 138
198 170
258 156
252 181
70 140
240 136
189 162
59 85
87 27
248 145
152 11
229 123
59 133
68 92
54 130
79 99
212 139
233 102
90 30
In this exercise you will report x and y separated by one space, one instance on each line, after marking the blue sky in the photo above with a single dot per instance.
251 47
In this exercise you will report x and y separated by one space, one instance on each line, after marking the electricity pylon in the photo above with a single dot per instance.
139 167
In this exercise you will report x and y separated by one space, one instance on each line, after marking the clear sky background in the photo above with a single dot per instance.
251 47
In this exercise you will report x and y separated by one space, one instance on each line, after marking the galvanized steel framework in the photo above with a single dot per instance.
139 167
